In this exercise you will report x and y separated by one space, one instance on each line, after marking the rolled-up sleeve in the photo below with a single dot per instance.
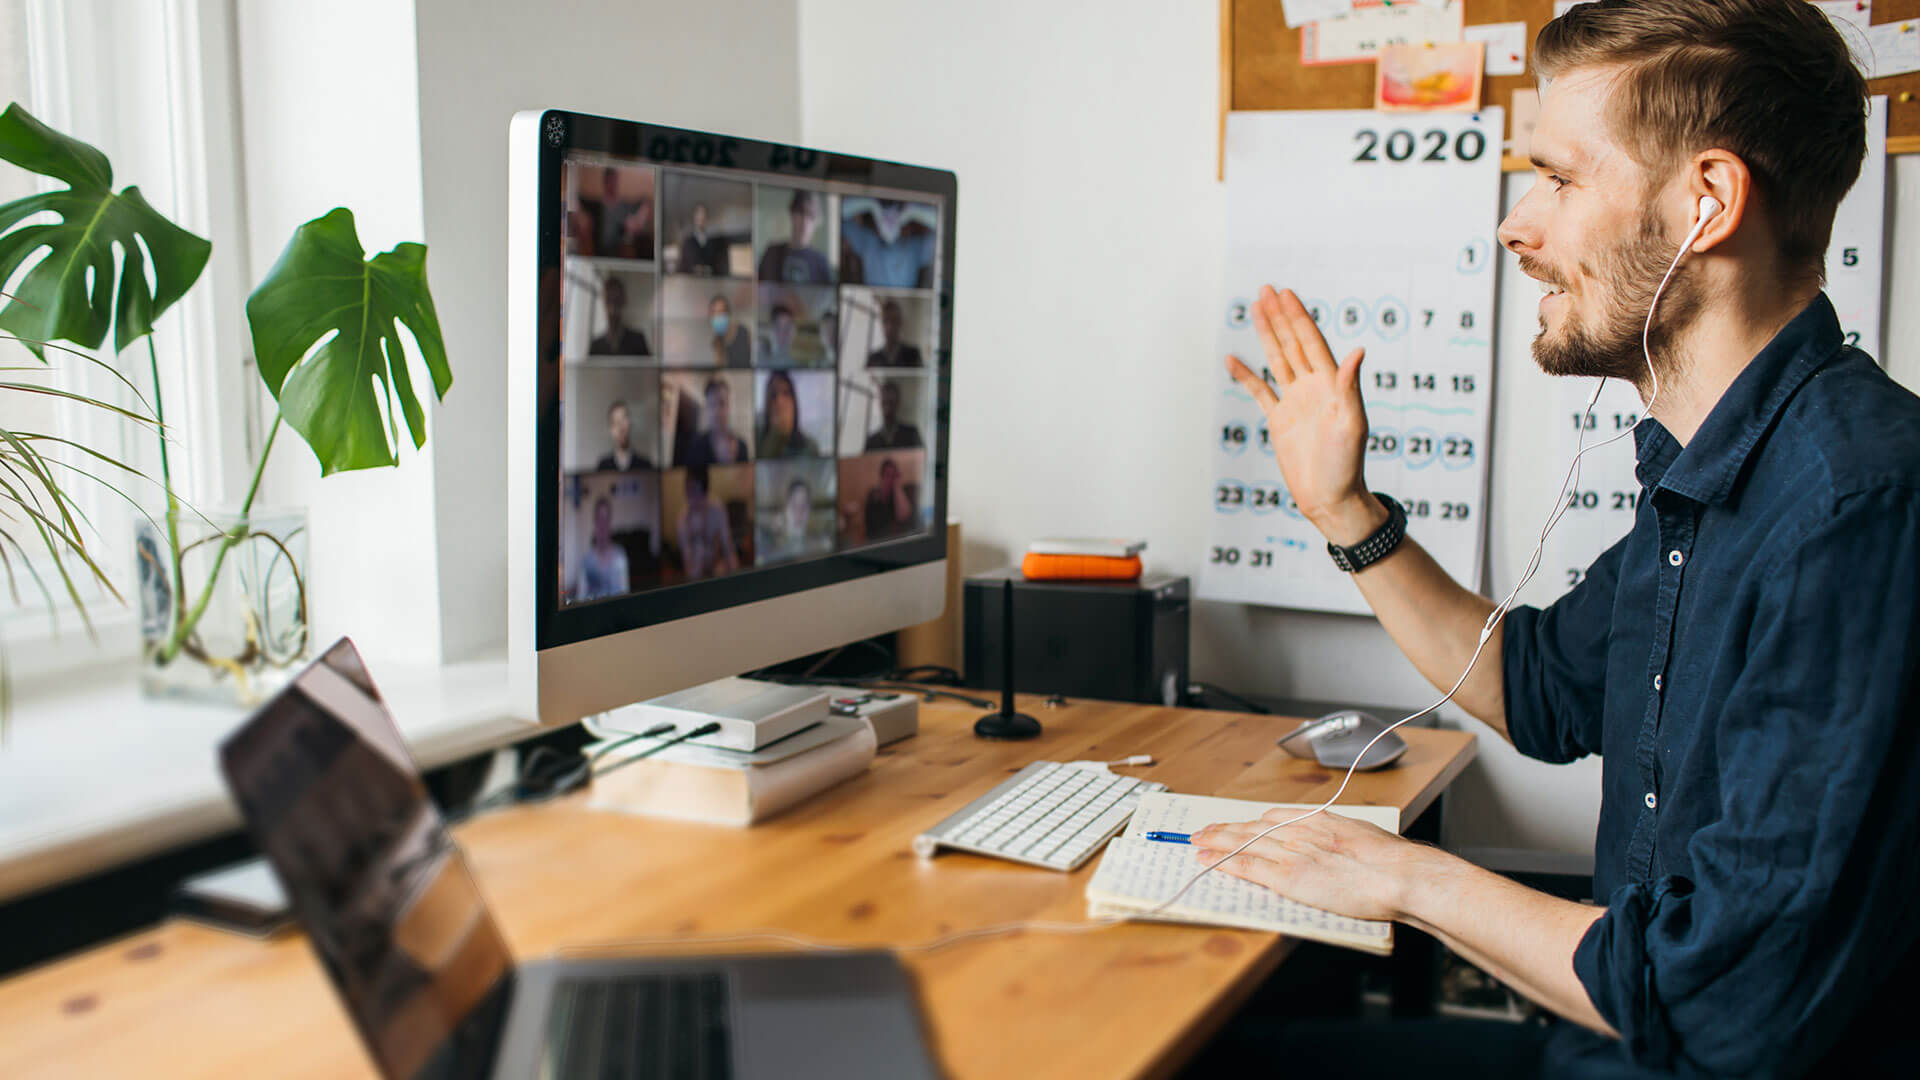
1554 662
1797 908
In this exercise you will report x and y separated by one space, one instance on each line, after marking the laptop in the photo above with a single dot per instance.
335 803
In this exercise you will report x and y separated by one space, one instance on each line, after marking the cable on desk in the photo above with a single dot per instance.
1197 688
569 782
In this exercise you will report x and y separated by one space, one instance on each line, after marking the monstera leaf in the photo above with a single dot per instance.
325 290
55 300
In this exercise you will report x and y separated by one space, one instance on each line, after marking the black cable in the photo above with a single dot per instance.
522 790
704 729
1206 689
927 693
938 674
835 654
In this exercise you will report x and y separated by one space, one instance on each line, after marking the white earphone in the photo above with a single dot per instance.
1709 206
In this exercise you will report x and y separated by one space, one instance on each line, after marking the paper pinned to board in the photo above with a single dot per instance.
1299 13
1893 49
1429 78
1506 46
1857 12
1358 36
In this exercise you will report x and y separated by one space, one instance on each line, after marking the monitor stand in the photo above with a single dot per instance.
1006 724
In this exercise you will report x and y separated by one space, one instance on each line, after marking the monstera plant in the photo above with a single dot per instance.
325 330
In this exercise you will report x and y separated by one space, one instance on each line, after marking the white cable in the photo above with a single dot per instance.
1561 505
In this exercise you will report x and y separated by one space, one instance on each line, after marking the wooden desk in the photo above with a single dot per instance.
1128 1001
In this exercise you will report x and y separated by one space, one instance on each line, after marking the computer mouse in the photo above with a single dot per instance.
1336 739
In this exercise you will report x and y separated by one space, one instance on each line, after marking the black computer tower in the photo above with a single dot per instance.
1116 641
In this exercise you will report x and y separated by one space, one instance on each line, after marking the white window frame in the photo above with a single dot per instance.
94 73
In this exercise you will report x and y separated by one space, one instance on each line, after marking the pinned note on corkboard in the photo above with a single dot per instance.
1265 65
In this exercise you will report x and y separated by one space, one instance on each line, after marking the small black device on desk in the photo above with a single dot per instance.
1111 640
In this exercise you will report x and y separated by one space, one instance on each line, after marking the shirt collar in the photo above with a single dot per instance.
1706 468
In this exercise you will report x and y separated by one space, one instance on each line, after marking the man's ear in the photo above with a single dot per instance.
1721 174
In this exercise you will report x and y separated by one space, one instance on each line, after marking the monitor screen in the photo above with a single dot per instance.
749 392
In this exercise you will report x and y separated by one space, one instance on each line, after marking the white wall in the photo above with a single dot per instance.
320 132
719 65
1088 278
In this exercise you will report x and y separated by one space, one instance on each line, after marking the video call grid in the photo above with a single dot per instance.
685 499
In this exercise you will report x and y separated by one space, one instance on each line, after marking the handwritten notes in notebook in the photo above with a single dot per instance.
1163 811
1136 875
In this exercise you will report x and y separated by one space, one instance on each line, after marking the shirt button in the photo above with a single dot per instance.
1652 803
1675 558
1656 683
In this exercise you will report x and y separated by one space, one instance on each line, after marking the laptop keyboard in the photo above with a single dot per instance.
640 1027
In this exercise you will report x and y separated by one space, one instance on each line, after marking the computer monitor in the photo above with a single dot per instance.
728 378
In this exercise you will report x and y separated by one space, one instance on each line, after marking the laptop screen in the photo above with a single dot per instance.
335 804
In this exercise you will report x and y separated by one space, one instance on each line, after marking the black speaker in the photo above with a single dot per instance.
1116 641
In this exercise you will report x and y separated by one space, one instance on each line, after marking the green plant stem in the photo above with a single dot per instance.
191 619
166 481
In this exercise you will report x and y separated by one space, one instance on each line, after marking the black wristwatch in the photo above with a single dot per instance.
1379 545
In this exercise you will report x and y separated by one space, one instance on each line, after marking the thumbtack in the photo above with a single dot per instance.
1906 96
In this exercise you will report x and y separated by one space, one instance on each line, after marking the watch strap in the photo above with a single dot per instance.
1376 546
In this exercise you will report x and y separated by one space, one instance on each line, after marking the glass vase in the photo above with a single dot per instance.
226 620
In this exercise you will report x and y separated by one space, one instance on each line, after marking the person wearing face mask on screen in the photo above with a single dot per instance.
732 345
1745 662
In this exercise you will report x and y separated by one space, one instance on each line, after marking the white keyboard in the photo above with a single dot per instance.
1047 814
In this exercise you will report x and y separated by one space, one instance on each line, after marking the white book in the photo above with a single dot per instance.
1136 875
723 788
751 713
1108 547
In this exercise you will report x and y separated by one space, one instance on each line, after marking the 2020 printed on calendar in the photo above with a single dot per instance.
1384 225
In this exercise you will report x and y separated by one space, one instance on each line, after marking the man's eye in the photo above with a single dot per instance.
1558 181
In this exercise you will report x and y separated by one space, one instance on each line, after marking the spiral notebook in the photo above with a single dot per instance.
1136 874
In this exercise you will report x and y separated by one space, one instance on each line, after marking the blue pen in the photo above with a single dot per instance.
1170 837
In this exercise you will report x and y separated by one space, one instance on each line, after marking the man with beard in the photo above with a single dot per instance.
1746 661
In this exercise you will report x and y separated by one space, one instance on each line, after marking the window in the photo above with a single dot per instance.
148 85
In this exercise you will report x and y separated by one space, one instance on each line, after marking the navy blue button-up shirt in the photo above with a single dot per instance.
1747 663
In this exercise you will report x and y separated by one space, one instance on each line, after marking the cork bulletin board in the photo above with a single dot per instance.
1260 66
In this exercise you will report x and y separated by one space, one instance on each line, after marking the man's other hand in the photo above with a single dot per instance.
1327 861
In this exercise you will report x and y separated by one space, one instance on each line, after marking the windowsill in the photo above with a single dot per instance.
143 777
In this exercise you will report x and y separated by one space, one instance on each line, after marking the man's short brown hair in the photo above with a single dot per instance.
1770 81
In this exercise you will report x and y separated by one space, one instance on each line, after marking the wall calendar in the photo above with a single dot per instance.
1384 225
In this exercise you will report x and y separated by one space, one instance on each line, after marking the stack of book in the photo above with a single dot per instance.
784 749
1082 559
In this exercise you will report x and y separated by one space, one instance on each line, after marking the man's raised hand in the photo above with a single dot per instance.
1317 421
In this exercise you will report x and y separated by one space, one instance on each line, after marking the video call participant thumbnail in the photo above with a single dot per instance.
622 457
621 337
796 414
894 432
732 344
711 510
710 225
610 535
703 424
888 242
616 211
801 258
794 509
884 329
706 322
796 322
880 496
609 417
